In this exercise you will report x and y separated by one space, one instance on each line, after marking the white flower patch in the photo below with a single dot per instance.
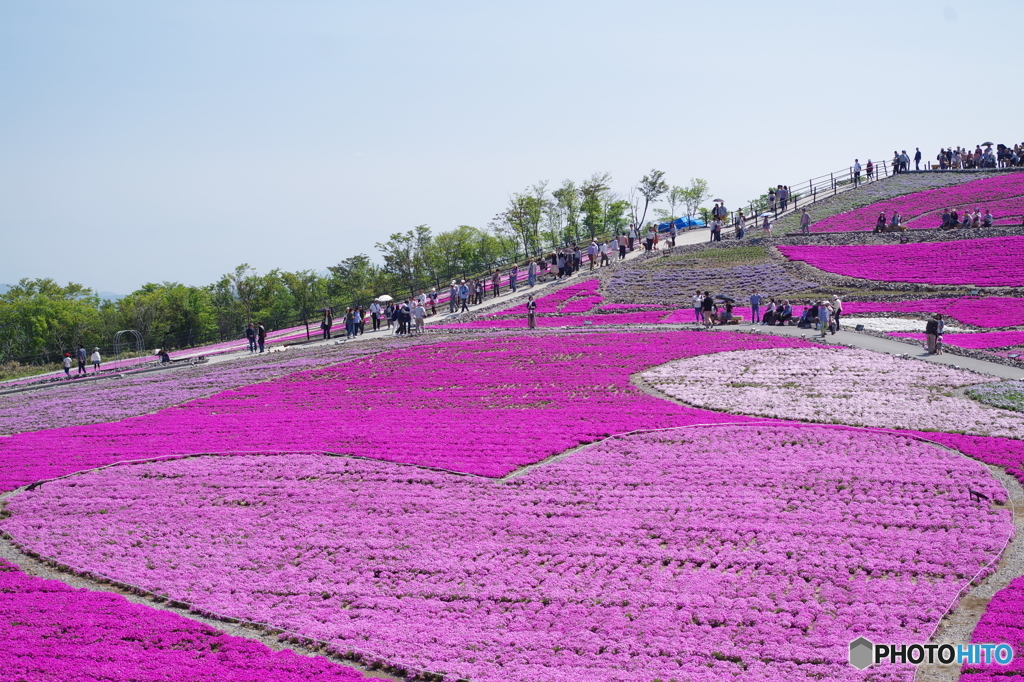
886 325
838 386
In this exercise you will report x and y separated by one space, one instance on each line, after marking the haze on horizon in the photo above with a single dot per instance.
173 141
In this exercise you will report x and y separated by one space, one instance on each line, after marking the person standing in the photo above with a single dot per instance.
917 158
766 228
824 317
577 258
513 278
773 199
453 296
755 308
940 327
707 307
805 221
404 319
375 316
931 332
464 296
697 301
632 235
250 334
360 319
783 197
531 313
496 284
606 253
856 172
96 359
261 335
418 315
622 247
67 365
531 273
327 323
432 299
672 233
869 170
479 292
592 253
82 357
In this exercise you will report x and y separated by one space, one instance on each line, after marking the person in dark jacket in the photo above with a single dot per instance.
931 333
250 335
261 335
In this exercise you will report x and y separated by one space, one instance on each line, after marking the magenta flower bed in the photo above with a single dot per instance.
1004 212
556 300
911 206
596 320
751 552
992 262
52 632
1003 622
994 311
485 407
977 341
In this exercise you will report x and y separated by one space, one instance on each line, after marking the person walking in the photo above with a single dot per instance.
82 357
837 309
783 197
773 200
856 172
869 170
96 359
432 299
805 221
389 313
513 278
531 313
741 225
464 296
250 334
622 247
766 228
606 253
67 365
592 253
917 158
531 273
453 296
496 284
327 323
261 335
755 308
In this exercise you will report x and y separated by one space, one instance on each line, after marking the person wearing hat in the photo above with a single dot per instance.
837 309
95 359
825 317
453 296
464 296
67 365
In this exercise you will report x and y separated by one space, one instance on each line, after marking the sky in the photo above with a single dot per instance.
171 141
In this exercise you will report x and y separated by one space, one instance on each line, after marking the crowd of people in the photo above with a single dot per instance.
711 310
959 158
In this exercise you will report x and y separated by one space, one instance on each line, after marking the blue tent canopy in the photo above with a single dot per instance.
681 224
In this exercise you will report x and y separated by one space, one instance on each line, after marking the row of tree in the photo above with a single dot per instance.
40 319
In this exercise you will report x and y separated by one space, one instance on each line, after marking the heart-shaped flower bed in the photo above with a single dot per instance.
704 553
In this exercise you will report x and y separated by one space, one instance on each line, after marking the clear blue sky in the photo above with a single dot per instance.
151 141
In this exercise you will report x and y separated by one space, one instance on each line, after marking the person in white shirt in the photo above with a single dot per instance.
606 252
418 313
95 360
632 235
375 311
698 300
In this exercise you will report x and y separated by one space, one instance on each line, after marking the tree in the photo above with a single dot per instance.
405 256
651 187
592 206
695 194
567 206
303 286
674 197
355 281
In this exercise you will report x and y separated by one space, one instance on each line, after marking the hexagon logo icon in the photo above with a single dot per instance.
861 653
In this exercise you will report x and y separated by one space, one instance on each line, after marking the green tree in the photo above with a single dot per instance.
592 205
305 287
695 194
648 191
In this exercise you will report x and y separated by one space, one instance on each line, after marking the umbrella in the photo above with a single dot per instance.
719 201
385 298
766 214
723 297
987 144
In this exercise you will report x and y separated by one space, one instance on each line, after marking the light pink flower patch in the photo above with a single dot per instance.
752 551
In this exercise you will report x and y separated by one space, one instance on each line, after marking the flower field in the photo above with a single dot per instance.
991 311
54 632
992 262
487 503
710 551
1002 194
